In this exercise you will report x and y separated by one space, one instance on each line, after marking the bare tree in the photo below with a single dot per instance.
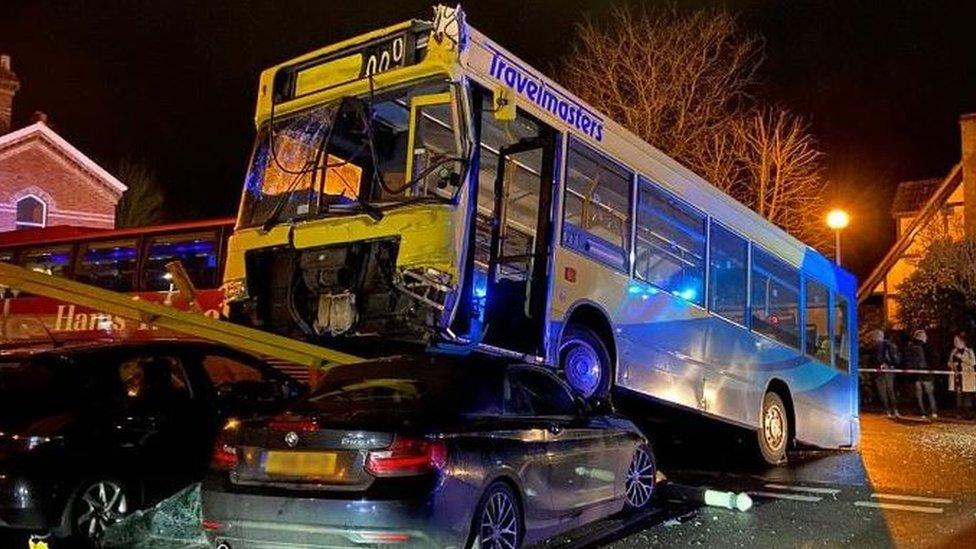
672 79
782 172
685 83
142 204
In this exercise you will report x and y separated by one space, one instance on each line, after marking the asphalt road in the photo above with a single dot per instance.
911 484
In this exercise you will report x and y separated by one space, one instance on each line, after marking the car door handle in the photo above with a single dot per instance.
555 428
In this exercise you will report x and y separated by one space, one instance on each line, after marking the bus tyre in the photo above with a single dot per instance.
585 362
497 520
774 430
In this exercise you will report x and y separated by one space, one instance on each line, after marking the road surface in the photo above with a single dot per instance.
911 484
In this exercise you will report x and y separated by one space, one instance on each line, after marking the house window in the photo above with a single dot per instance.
31 212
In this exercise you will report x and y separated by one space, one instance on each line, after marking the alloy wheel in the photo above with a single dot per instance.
102 504
640 479
499 526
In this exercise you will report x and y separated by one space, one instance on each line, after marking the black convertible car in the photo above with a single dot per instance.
91 432
429 451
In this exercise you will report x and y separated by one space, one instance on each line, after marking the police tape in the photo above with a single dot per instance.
898 371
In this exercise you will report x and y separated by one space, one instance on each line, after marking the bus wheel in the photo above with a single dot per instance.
774 430
585 362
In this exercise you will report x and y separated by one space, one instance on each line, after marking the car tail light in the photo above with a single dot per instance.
224 456
407 456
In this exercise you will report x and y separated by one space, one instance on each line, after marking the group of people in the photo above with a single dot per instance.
917 357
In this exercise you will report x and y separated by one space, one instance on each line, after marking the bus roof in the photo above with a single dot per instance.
69 233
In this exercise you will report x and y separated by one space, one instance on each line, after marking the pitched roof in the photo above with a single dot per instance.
42 130
911 196
930 208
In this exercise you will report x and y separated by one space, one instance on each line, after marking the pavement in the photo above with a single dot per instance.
912 483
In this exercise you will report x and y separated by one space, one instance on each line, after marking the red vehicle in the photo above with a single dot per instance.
123 260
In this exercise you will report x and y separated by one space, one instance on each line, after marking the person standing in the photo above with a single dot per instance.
883 355
962 363
918 356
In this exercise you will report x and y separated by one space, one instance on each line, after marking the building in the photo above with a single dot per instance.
44 180
923 210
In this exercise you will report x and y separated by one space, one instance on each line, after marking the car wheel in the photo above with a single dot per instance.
774 430
97 505
585 362
497 520
641 479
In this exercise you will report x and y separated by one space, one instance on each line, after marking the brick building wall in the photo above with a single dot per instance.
44 180
52 183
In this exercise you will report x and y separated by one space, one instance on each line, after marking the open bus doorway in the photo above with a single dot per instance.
517 168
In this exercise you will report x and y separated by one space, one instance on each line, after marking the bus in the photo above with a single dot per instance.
130 260
422 185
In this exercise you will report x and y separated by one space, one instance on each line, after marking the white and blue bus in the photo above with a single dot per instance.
422 184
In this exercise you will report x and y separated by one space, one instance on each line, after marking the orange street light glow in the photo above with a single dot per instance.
838 219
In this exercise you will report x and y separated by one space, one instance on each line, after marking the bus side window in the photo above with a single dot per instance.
670 247
596 210
817 321
842 341
196 251
110 265
775 298
728 272
53 260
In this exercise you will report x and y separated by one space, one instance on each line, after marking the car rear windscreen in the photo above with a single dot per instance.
372 392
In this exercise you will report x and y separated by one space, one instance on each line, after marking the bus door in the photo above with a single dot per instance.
515 198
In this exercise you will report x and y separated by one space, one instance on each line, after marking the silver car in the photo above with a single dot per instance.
425 451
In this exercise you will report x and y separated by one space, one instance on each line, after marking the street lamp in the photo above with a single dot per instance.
837 220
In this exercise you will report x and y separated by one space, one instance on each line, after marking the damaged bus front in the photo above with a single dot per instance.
353 215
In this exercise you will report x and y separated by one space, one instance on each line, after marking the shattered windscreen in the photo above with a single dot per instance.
350 155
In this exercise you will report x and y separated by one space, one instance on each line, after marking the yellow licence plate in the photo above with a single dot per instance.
300 464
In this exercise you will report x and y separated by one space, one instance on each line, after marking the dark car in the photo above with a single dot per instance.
425 451
91 432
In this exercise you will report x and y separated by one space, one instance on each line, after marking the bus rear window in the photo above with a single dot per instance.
53 260
110 265
196 251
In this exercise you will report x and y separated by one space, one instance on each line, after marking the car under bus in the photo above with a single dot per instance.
421 185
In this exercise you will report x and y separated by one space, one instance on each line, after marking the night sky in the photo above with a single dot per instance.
172 83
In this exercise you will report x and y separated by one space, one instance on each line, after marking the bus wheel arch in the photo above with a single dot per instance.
587 336
776 395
